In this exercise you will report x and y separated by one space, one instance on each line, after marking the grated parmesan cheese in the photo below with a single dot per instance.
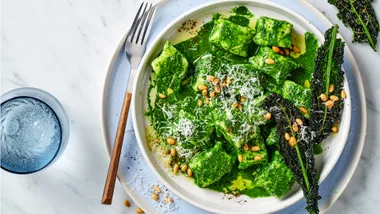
185 127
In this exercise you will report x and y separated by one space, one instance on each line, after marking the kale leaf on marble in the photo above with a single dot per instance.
361 17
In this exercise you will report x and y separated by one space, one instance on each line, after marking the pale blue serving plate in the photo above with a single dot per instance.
136 176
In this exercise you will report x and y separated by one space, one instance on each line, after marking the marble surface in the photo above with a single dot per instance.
64 47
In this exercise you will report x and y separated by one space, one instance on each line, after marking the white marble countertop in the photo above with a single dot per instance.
64 47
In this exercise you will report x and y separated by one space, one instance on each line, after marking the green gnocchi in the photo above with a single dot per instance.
214 85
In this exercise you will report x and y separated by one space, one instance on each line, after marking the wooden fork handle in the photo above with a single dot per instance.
115 156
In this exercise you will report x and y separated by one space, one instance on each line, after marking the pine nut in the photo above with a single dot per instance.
189 172
245 147
224 84
331 88
207 100
212 94
343 94
154 197
170 140
204 92
257 158
269 61
228 80
255 148
175 168
242 99
240 107
155 187
126 203
202 87
235 105
163 96
275 49
323 97
173 152
281 52
240 158
169 200
329 104
268 115
287 136
296 49
286 52
303 110
334 129
295 127
200 103
184 168
292 141
215 81
299 121
217 89
334 98
139 210
210 78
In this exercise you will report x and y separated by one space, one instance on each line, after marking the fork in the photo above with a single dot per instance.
135 45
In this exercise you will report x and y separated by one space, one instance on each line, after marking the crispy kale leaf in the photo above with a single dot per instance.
328 71
297 139
298 155
361 17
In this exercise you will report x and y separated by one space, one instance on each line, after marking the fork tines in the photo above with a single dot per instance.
141 24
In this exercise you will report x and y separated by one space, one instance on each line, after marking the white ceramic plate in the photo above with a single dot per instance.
184 187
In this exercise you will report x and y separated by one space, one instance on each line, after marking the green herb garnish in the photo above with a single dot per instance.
242 10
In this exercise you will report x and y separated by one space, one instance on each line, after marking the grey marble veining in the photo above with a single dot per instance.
64 47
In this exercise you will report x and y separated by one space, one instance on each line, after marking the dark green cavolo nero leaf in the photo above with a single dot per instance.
361 17
299 157
328 71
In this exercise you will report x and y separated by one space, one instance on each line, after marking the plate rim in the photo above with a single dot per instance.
297 195
114 57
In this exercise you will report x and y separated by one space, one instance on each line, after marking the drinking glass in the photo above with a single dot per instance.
34 130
